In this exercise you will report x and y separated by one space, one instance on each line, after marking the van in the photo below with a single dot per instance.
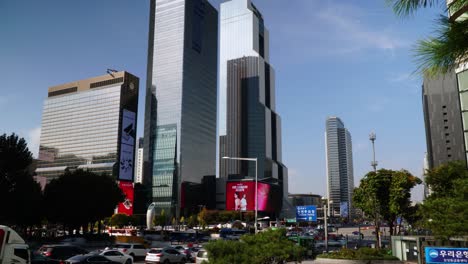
13 249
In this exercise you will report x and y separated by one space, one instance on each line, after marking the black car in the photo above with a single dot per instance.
90 259
57 254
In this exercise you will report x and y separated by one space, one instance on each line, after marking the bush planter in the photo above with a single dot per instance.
355 261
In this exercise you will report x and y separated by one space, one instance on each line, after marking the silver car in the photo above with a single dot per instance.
164 255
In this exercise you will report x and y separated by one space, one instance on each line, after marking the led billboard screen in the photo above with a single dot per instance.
126 207
240 196
127 146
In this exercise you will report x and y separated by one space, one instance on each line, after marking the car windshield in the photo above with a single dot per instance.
202 254
122 246
155 251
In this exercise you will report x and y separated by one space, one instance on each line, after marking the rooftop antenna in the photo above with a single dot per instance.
111 71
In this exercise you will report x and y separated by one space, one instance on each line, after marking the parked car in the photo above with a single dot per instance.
202 255
189 253
164 255
117 256
134 250
90 259
59 253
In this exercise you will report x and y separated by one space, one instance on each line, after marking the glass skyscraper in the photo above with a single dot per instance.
249 126
90 124
340 177
180 114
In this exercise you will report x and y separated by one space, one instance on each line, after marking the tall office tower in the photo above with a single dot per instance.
340 177
242 34
91 125
442 118
248 124
180 114
139 161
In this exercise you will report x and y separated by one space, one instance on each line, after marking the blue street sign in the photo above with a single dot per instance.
306 213
446 255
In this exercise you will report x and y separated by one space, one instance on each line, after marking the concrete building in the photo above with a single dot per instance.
442 118
339 159
90 124
180 114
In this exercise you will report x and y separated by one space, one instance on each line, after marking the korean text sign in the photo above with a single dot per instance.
446 255
306 213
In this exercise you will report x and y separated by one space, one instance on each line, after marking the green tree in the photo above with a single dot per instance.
270 246
450 45
80 197
160 219
445 211
119 220
21 194
192 221
385 195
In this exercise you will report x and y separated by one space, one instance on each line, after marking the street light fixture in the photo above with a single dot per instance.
256 184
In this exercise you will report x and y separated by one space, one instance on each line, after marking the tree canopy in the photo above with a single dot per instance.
20 193
445 211
449 46
385 195
80 197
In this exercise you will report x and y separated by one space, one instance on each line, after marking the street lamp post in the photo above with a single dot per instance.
325 225
256 184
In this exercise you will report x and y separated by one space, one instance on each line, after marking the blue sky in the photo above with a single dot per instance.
352 59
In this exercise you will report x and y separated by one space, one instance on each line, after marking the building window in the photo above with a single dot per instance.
445 113
446 127
445 120
447 141
444 106
447 134
449 148
449 156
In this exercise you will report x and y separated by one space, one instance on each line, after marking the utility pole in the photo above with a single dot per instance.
372 138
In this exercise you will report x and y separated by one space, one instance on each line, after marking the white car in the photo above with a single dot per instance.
134 250
165 255
117 256
202 255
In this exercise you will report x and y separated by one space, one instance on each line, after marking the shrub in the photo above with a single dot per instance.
270 246
360 254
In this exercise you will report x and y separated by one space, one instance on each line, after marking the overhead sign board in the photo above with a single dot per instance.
306 213
446 255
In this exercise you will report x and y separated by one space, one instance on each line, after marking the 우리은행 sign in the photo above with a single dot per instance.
446 255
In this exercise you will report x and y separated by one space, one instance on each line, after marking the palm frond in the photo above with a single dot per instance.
408 7
443 52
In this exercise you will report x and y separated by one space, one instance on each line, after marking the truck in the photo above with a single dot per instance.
13 249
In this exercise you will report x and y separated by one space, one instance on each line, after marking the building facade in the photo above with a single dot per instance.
442 118
462 81
90 124
249 126
139 161
180 114
339 161
242 33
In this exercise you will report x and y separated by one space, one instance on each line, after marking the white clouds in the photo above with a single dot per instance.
33 139
335 28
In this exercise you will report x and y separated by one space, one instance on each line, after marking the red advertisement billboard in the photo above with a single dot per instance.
240 196
127 206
